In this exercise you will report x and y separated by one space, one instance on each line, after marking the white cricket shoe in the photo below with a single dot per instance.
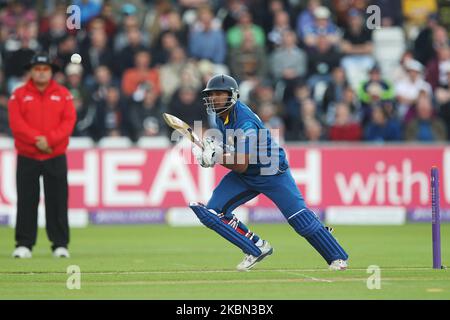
22 252
249 260
61 252
338 265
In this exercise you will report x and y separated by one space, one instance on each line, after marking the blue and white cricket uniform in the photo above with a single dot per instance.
238 188
268 173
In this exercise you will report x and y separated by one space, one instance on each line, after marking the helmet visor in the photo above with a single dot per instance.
217 105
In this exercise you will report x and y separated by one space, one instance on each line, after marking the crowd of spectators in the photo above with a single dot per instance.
308 68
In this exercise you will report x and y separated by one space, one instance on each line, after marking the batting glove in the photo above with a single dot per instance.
206 157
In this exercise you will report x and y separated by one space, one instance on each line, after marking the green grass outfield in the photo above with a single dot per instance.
160 262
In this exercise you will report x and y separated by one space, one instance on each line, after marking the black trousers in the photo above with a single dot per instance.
54 172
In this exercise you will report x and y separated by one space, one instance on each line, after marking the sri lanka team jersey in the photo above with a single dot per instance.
245 131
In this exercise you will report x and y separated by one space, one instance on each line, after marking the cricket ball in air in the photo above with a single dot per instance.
75 58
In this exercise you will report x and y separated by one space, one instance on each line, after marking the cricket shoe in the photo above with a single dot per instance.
61 252
22 253
338 265
249 260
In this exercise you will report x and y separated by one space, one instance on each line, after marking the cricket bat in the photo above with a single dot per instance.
186 130
183 128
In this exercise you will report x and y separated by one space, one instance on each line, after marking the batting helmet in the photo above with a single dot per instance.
225 83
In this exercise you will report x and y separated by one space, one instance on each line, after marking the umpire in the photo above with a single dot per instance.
42 117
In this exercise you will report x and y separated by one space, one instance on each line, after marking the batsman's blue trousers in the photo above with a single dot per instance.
236 189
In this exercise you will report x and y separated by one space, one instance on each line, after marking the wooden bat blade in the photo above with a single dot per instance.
183 128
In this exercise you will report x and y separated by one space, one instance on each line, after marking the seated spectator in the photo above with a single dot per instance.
357 39
356 46
313 131
305 19
389 108
248 60
207 70
176 72
309 109
74 81
103 79
323 26
129 22
56 31
442 94
435 73
322 58
207 40
141 76
288 63
146 117
163 47
187 105
235 35
263 92
382 128
268 115
96 50
375 88
423 44
85 117
232 10
407 91
176 26
17 51
344 127
400 73
156 20
65 47
348 98
374 91
108 17
281 24
440 38
264 13
301 92
136 8
425 127
110 119
296 127
97 23
133 45
335 88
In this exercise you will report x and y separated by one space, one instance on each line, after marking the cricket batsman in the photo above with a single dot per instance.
258 165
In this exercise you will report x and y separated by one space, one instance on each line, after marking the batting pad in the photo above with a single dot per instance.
212 221
308 225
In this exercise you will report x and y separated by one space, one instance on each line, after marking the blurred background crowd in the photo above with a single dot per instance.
314 70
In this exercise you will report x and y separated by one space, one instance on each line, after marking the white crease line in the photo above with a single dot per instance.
209 271
309 277
237 281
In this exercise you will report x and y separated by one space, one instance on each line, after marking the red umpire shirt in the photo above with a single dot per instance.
50 113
